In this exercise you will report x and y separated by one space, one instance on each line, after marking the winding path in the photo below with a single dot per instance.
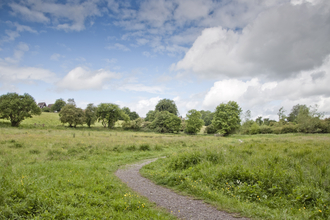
183 207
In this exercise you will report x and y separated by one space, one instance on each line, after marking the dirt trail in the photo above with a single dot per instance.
183 207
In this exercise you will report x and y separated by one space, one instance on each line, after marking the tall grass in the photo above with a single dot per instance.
271 177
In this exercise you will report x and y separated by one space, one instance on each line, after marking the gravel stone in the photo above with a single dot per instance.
183 207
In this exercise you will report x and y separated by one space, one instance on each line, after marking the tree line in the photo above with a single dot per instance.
225 120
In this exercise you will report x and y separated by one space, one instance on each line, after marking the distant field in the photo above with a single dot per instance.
48 119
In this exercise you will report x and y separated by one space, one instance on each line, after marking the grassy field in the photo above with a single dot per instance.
55 172
265 176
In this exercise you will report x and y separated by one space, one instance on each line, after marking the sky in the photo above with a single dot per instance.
199 53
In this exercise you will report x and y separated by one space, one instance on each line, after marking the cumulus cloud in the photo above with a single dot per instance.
279 43
265 98
13 34
144 105
81 78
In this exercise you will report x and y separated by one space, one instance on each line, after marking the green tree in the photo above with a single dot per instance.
308 120
167 105
227 117
58 105
281 115
259 121
194 123
90 114
207 117
151 115
72 115
134 115
295 111
16 107
109 113
166 122
71 102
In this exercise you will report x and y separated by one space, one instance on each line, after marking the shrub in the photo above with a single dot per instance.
254 129
264 129
210 129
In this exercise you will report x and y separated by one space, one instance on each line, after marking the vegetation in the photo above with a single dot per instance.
207 117
58 105
167 105
132 115
166 122
72 115
266 176
109 113
227 117
90 114
194 123
16 107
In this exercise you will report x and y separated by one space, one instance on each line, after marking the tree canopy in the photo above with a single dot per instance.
16 107
151 115
58 105
167 105
72 115
109 113
90 114
227 117
166 122
295 111
207 117
194 123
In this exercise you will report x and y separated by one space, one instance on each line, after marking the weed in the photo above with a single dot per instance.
144 147
34 151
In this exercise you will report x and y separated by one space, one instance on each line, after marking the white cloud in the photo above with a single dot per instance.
21 48
111 61
280 43
28 14
81 78
13 34
265 98
118 46
144 105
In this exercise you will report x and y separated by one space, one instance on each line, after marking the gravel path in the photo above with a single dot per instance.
181 206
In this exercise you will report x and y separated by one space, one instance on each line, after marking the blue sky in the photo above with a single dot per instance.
199 53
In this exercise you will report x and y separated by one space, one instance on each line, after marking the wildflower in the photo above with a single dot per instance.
320 211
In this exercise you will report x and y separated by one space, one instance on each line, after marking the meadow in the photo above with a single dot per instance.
51 171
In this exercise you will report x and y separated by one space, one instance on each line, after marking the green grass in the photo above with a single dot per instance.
266 176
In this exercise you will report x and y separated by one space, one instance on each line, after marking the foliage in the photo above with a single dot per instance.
90 114
167 105
58 105
183 125
281 115
254 129
227 117
45 109
207 117
132 115
72 115
166 122
109 113
16 107
308 121
210 129
151 115
194 123
71 102
134 124
295 111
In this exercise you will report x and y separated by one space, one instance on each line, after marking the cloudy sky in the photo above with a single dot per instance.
200 53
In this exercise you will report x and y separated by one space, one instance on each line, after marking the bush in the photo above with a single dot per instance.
290 128
264 129
254 129
166 122
210 129
134 125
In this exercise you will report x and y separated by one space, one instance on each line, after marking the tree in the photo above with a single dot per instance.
207 117
259 121
281 115
90 114
72 115
71 102
194 122
227 117
134 116
151 115
166 122
45 109
295 111
58 105
167 105
16 107
109 113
